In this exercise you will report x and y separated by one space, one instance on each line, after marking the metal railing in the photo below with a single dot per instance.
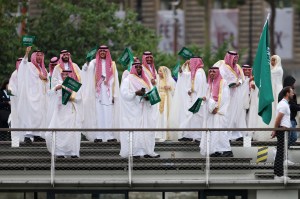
100 163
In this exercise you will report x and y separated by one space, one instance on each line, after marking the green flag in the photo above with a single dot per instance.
126 59
91 54
65 96
262 76
176 69
196 106
186 53
27 40
153 96
71 84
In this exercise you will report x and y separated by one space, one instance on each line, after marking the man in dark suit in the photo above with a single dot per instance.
4 111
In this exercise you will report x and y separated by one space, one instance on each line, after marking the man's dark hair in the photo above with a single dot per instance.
4 83
289 81
283 92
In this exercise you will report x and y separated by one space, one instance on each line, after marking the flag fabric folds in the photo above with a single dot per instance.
262 76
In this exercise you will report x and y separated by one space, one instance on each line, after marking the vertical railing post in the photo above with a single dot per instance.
130 159
207 168
53 146
285 160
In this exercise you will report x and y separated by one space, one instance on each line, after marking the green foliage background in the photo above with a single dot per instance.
78 26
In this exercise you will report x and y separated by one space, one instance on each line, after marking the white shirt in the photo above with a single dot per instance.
66 66
283 107
103 62
151 70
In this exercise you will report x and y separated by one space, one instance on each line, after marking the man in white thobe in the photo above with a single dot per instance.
216 143
16 137
149 67
50 101
32 90
252 103
193 86
234 76
101 96
67 144
137 113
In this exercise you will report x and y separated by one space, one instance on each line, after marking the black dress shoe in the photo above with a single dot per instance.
74 156
228 154
216 154
184 139
112 140
197 141
240 139
136 157
38 139
27 140
151 156
97 140
60 156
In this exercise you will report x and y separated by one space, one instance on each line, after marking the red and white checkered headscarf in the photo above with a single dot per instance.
144 62
108 68
18 62
229 57
214 84
52 64
61 64
143 76
41 68
195 64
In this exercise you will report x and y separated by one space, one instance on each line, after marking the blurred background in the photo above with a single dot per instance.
208 27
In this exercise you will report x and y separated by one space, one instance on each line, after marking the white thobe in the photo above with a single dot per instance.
100 111
67 143
276 78
16 136
136 114
218 140
252 116
149 73
32 106
237 118
190 120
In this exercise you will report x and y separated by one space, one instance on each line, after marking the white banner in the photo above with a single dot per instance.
165 29
224 26
283 37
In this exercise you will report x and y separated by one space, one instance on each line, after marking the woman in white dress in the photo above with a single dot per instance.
166 87
276 76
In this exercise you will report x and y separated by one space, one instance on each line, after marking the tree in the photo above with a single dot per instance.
79 26
10 41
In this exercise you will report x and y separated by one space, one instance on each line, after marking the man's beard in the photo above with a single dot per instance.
65 59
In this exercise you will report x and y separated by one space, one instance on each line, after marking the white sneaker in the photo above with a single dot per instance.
281 178
288 162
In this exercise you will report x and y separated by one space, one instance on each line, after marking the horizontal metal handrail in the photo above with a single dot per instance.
149 129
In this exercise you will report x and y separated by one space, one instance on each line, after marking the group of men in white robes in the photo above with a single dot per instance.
37 100
229 99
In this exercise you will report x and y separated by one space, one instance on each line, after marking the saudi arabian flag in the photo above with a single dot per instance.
126 59
262 76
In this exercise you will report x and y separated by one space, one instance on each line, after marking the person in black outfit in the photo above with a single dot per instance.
4 111
294 107
282 121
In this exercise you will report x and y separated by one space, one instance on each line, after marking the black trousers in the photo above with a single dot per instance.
4 135
278 164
